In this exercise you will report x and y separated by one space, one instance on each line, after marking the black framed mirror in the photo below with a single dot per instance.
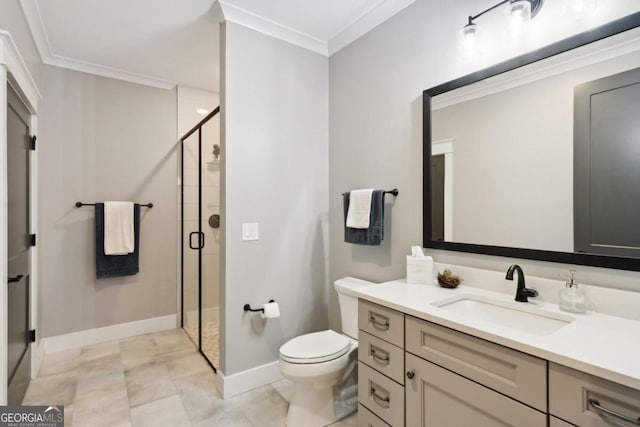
538 157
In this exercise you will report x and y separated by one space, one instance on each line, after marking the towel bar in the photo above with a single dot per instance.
393 192
80 204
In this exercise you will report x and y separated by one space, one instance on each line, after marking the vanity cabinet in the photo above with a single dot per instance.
416 373
589 401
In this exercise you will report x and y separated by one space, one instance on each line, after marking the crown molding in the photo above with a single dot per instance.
371 18
227 12
368 20
48 57
10 58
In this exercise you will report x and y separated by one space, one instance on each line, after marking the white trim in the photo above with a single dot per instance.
37 357
39 33
248 19
34 279
593 53
235 384
19 72
370 19
108 333
445 146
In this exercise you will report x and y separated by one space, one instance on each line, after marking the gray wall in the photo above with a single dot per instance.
12 20
275 172
376 85
103 139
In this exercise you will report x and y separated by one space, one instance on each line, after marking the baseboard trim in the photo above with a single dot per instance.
108 333
37 356
232 385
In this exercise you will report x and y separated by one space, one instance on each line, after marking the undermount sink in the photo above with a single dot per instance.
516 315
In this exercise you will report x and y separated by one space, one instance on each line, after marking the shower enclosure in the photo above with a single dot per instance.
200 212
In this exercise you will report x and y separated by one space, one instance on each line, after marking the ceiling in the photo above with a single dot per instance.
162 43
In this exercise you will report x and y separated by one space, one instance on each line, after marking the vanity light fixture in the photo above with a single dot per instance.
520 11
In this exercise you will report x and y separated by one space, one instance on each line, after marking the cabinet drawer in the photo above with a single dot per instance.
507 371
381 356
381 322
438 397
381 395
366 418
573 394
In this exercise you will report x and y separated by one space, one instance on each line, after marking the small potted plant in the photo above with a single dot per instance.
446 279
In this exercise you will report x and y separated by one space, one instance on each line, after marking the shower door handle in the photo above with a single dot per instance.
200 240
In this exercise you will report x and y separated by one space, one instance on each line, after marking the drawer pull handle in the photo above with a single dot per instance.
379 358
411 374
380 399
379 325
596 404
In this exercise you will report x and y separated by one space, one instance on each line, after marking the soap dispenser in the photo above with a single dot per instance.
572 298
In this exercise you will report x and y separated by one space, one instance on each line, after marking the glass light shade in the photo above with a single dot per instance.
469 35
520 11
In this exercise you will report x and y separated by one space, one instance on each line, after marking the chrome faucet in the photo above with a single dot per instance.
522 293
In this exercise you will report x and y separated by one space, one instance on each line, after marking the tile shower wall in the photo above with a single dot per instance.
189 101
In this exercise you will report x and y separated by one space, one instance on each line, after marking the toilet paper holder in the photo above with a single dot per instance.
247 307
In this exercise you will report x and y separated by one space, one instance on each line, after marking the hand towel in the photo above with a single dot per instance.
118 228
359 212
373 235
116 265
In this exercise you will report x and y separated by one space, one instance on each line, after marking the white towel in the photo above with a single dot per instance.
359 208
119 238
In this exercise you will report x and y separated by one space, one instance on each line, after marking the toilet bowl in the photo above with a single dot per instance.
318 361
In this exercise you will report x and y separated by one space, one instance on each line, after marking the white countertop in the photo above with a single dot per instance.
599 344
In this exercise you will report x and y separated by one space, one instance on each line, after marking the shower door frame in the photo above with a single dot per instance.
196 128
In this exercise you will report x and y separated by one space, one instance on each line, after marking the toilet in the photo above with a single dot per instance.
317 361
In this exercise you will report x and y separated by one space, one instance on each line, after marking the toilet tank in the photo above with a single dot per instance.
349 303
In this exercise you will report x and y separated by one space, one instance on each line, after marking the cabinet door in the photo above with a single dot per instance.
436 397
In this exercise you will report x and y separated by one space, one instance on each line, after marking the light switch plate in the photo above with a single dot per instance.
250 231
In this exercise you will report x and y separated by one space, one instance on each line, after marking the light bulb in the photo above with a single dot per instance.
469 34
520 11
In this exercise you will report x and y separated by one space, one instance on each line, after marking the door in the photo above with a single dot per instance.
18 141
437 198
606 158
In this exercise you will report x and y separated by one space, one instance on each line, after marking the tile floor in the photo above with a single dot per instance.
154 380
210 339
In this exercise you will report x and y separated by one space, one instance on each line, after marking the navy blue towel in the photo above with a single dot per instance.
373 235
116 265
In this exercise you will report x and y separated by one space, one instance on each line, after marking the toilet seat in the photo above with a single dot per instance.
316 347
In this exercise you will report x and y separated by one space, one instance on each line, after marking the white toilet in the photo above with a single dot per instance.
317 361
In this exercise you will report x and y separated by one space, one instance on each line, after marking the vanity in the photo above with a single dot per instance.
430 356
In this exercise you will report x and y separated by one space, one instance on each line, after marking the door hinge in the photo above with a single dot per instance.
32 239
32 335
32 144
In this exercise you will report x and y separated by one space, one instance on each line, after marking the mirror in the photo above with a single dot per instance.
539 157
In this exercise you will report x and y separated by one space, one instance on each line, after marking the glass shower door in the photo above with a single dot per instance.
191 238
200 211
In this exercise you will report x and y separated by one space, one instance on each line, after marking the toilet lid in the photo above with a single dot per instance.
315 347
